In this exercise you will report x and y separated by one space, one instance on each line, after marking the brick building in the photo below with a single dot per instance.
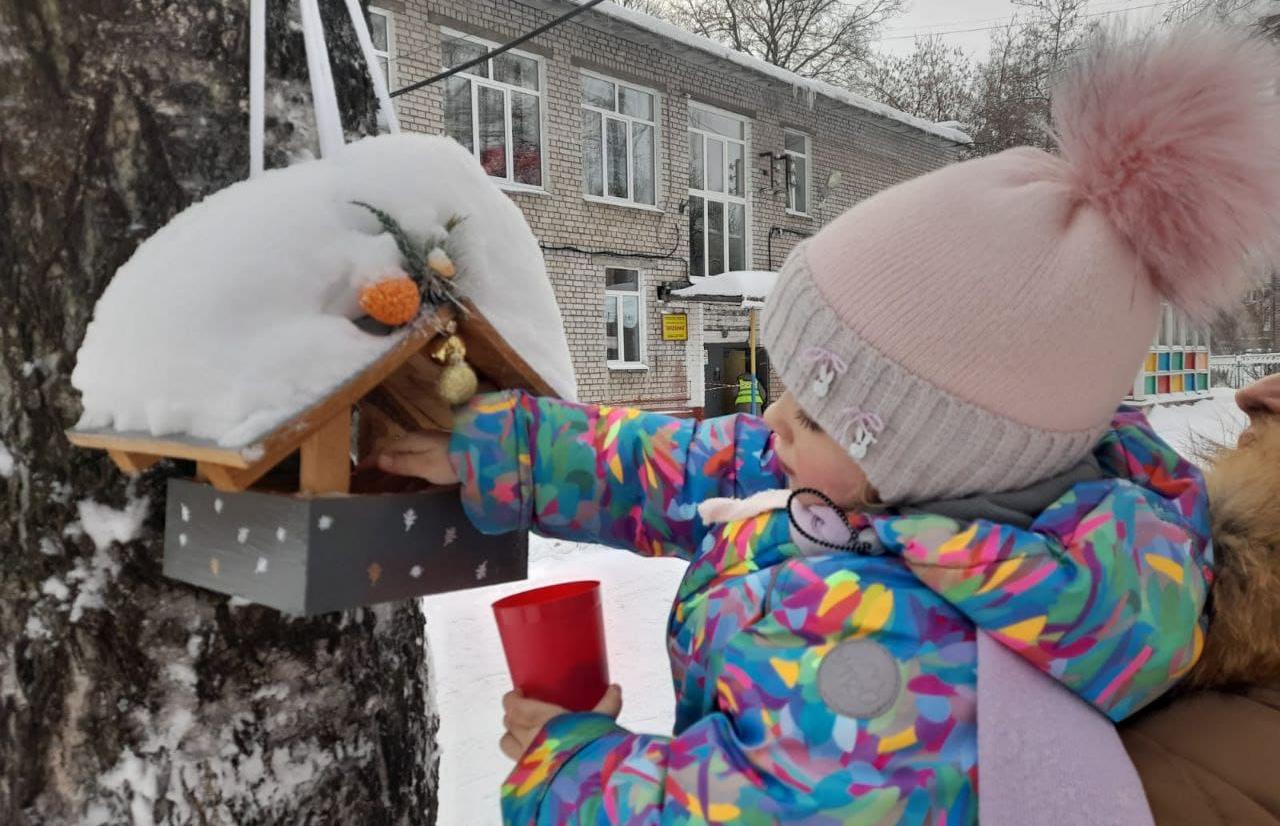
642 155
1254 325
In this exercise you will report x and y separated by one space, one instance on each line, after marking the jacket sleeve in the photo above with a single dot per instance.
613 475
585 769
737 762
1105 591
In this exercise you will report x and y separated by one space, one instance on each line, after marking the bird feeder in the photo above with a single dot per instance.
290 522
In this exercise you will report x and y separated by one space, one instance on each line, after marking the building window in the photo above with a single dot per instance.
619 141
718 214
623 318
796 145
494 109
382 33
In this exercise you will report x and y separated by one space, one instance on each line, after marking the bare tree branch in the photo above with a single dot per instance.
825 39
935 81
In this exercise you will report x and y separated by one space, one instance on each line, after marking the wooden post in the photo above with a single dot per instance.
326 456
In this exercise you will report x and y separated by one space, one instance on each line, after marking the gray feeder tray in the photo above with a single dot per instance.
311 555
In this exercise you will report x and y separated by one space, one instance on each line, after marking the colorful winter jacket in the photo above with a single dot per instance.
1103 592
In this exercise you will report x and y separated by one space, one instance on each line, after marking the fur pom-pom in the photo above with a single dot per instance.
1175 137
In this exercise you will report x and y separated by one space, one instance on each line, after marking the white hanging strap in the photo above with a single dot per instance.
323 98
257 84
375 69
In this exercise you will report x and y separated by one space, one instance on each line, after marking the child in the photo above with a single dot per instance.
953 350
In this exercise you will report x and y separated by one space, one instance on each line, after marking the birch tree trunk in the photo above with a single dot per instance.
125 697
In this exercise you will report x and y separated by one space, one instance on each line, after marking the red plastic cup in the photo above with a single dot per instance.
554 641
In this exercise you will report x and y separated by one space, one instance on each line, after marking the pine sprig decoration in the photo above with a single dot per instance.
414 261
436 290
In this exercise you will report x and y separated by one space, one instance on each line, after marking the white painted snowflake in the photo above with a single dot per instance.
410 516
325 523
186 514
262 565
281 533
217 506
450 535
242 535
482 570
415 571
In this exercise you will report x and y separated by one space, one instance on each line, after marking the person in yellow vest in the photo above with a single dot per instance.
746 384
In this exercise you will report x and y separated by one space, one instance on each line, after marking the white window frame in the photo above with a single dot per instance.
808 171
507 183
613 294
725 197
630 120
389 54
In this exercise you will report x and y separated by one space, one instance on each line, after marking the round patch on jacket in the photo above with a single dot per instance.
859 678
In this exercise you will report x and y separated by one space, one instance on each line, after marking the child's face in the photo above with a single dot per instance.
812 459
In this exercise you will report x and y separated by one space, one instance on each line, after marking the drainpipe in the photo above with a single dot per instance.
778 232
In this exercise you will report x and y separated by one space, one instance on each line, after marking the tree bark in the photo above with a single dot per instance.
126 697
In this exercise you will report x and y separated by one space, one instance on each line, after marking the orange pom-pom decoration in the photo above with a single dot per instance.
393 301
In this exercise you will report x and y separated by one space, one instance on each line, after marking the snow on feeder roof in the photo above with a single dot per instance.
237 315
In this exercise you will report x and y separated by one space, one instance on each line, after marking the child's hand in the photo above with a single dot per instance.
425 455
525 717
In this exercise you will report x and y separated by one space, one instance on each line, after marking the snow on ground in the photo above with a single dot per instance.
471 676
1192 427
236 315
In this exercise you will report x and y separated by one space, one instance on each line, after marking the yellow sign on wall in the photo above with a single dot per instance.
675 326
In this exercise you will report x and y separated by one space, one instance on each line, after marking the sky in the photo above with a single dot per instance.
956 20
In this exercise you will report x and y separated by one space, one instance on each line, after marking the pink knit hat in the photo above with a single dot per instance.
973 330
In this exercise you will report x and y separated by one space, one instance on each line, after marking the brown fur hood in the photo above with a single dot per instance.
1207 756
1243 644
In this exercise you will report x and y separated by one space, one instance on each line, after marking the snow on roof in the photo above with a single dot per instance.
662 28
749 285
236 316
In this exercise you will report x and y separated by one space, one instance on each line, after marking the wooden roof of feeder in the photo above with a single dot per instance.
394 394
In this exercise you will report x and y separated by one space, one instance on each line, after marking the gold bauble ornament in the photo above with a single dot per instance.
458 381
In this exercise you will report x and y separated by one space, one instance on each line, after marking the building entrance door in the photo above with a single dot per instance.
725 364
